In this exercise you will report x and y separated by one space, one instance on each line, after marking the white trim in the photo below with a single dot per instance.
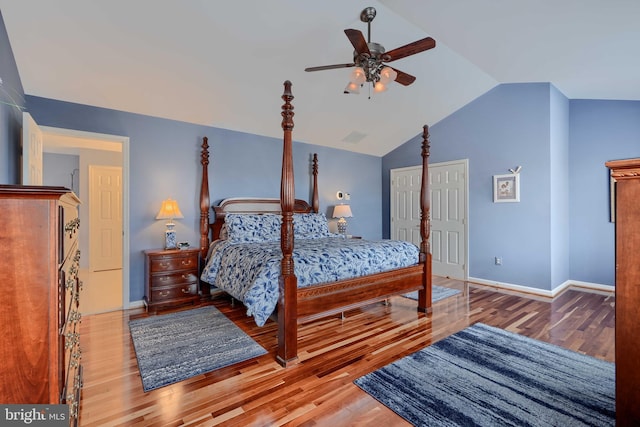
124 140
136 304
543 292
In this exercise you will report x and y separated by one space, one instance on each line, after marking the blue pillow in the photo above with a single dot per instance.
310 226
253 227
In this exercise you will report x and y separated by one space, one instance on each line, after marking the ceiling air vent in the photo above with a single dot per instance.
354 137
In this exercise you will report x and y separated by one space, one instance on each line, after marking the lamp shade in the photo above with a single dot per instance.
342 211
169 210
358 76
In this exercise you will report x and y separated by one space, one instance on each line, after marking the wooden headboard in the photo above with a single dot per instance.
210 230
251 206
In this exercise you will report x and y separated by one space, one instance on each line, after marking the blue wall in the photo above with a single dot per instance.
559 187
560 230
165 162
600 131
508 126
11 103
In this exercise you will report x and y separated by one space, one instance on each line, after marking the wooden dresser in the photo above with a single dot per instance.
627 204
171 277
39 317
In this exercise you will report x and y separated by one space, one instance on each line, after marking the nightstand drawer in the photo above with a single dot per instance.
173 263
187 277
163 294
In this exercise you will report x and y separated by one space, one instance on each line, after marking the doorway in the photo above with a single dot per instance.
93 148
448 195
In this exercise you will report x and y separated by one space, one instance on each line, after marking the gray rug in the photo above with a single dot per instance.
437 293
174 347
485 376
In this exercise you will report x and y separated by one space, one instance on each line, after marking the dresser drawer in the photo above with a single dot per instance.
160 280
173 263
174 292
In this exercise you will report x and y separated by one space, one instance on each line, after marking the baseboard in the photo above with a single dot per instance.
136 304
574 284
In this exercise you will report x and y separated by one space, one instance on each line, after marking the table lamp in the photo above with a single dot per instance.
169 210
342 212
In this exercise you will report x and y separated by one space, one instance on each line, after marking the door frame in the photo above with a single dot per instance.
106 138
465 163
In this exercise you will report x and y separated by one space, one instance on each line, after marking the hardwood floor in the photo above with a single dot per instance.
319 391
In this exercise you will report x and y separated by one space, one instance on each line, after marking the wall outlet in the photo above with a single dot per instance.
498 260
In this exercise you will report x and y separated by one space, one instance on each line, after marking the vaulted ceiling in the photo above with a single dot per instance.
223 63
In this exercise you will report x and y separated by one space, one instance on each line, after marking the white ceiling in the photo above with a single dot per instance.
222 63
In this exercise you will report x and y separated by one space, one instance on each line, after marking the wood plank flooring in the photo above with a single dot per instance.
319 391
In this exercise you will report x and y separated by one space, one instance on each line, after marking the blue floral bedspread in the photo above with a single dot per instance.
249 271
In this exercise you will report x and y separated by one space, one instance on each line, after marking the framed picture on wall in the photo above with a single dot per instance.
506 188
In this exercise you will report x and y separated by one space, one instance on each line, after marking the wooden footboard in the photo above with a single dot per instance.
327 299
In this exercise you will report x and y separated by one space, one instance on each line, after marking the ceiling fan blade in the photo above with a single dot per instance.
410 49
329 67
404 78
358 41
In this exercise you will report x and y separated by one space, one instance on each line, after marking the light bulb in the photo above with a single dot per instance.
352 88
358 76
379 87
387 75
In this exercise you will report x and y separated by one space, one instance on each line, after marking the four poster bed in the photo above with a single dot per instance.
306 283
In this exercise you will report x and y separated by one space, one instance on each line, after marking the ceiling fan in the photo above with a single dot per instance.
369 59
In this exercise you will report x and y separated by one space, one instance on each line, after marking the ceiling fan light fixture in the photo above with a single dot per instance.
358 76
379 87
352 87
387 75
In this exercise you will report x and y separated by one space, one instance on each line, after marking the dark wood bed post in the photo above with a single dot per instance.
205 288
424 295
288 282
315 200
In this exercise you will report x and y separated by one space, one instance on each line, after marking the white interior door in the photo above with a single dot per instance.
448 188
31 151
105 213
448 198
405 204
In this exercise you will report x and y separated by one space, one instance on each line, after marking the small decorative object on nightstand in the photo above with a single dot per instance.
171 277
342 212
169 210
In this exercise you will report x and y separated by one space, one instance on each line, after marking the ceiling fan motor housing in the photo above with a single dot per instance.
371 62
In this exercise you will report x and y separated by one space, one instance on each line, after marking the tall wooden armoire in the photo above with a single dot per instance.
40 360
626 174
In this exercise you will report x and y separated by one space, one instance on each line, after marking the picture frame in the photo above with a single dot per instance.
506 188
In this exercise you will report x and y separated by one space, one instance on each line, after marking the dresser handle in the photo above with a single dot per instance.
185 291
188 262
164 264
164 279
164 293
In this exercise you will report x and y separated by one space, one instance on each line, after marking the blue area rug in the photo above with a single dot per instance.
177 346
437 293
485 376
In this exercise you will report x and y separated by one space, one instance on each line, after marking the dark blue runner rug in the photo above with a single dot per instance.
485 376
174 347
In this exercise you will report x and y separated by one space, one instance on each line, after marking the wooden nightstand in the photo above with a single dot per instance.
171 277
